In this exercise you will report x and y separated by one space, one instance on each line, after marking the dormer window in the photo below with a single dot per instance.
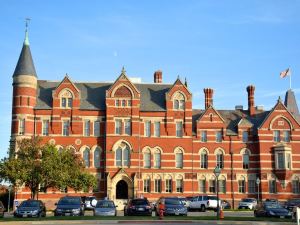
66 99
178 101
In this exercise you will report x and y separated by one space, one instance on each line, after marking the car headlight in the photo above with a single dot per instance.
75 210
272 213
35 211
58 210
289 213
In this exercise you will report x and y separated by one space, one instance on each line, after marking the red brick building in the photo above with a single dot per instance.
146 139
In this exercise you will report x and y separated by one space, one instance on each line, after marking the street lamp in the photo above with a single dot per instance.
257 182
217 172
8 204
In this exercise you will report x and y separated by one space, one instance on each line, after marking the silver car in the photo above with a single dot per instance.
105 208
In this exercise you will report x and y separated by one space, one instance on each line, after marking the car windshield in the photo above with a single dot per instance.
294 201
273 206
139 202
105 204
212 197
171 201
30 204
69 201
248 200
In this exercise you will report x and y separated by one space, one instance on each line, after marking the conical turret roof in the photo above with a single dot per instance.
291 103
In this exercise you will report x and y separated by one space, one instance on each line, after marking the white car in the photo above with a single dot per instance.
247 203
203 202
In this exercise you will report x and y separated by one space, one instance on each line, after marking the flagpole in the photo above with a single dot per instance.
290 81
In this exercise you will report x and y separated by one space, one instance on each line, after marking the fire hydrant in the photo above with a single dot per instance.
221 214
161 209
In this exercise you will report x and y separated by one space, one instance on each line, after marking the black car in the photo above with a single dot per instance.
31 208
291 203
172 206
269 209
69 206
138 206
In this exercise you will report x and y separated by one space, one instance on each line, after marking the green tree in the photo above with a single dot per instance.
41 165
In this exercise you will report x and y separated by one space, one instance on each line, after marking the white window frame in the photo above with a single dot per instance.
66 132
179 129
148 128
97 128
157 129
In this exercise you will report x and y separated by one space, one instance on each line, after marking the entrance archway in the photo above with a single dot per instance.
122 190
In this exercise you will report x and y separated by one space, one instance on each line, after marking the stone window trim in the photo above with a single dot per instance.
179 100
66 97
122 147
203 158
283 157
123 121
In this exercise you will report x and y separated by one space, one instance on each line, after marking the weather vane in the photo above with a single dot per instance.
27 20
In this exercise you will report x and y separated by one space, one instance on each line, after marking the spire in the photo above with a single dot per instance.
185 82
25 64
291 103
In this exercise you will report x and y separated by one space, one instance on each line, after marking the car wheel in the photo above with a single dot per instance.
202 209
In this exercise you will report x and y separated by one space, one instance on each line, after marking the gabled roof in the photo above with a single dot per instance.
215 111
178 82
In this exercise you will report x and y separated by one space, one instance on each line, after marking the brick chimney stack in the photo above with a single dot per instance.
158 76
208 92
251 106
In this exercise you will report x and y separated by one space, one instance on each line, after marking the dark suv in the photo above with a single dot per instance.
138 206
31 208
69 206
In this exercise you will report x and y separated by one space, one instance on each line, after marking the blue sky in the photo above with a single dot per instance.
225 45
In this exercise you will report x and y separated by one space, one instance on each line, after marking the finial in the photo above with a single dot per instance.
279 99
178 77
26 41
185 82
123 71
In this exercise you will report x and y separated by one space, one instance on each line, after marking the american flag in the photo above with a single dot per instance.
285 73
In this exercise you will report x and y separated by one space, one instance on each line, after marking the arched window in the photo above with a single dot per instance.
147 184
178 101
97 158
179 159
222 184
295 185
66 99
157 159
202 185
204 159
157 184
242 184
179 184
246 159
168 184
220 159
147 159
212 185
86 157
123 155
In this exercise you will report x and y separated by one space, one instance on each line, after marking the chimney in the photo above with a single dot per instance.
158 76
208 92
251 107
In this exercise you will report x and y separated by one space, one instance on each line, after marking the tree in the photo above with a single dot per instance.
40 165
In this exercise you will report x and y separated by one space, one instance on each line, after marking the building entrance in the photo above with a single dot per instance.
122 190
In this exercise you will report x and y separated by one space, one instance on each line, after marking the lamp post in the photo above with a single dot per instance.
217 172
257 182
8 204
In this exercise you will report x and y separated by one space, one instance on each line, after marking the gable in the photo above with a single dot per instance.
178 86
212 118
66 84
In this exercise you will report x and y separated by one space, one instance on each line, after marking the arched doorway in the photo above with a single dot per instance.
122 190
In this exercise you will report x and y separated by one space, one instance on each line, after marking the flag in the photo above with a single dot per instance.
285 73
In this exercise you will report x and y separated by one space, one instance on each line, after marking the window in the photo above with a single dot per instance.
212 185
222 185
66 128
295 186
97 187
179 129
64 102
251 186
87 128
283 160
86 157
246 160
202 186
117 102
123 155
148 128
66 99
97 158
176 104
70 102
118 126
203 136
218 136
272 187
129 103
157 185
204 160
286 136
276 136
178 101
123 103
157 159
147 159
21 126
242 185
245 136
179 159
97 128
169 185
128 127
157 129
179 185
45 127
147 185
220 160
280 160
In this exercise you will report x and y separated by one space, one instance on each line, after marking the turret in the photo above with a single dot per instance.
24 93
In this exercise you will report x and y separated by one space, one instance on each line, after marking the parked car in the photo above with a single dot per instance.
225 204
184 201
69 206
291 203
172 206
204 202
273 200
2 209
105 208
31 208
269 209
89 201
138 206
247 203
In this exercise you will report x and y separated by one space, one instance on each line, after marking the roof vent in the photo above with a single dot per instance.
239 107
260 107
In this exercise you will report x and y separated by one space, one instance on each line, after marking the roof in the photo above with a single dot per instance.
291 103
25 64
